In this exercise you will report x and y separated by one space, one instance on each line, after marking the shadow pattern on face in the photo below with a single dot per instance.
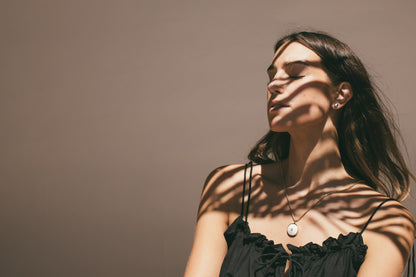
303 111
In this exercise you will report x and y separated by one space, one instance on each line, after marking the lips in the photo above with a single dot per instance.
277 106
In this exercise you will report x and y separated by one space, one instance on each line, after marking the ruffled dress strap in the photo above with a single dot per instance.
244 208
240 224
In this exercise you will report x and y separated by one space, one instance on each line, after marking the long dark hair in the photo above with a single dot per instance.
366 131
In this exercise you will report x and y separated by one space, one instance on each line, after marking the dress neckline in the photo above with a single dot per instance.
240 223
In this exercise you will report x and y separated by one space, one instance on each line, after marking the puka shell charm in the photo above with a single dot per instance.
292 229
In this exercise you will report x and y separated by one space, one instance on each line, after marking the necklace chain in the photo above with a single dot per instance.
314 204
292 228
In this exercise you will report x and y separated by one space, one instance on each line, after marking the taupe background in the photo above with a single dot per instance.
112 113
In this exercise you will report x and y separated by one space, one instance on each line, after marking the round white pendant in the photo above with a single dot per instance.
292 229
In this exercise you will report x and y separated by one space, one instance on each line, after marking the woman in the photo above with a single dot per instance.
318 199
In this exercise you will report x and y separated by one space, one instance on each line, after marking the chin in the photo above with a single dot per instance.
279 129
276 125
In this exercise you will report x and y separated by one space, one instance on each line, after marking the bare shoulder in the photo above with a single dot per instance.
392 218
384 215
389 236
222 190
220 197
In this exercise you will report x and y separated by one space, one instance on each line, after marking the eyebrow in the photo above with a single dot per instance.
302 62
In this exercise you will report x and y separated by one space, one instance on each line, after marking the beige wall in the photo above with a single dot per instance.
112 113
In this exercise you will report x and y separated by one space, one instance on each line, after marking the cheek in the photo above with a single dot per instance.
318 103
312 107
309 107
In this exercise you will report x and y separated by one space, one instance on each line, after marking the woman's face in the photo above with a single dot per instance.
300 92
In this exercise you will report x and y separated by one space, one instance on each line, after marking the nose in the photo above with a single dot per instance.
276 86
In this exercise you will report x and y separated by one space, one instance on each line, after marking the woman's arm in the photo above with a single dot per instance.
389 238
217 201
209 246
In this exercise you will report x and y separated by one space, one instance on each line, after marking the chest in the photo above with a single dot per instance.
315 227
254 254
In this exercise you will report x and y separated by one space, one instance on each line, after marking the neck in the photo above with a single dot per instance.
314 158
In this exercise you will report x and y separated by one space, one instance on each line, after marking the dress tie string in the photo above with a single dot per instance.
272 260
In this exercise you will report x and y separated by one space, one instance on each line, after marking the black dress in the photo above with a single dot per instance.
253 255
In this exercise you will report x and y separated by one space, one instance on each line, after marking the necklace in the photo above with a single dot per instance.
292 228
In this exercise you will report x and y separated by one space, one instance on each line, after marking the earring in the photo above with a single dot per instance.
336 105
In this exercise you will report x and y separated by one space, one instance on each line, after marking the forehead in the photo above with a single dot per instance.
292 52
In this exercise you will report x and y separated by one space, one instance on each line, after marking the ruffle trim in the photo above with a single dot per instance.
352 241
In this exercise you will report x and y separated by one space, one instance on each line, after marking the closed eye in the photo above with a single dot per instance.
290 78
295 77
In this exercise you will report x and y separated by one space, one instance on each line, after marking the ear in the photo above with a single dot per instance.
342 95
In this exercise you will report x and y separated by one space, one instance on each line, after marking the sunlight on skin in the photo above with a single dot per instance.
300 99
341 213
